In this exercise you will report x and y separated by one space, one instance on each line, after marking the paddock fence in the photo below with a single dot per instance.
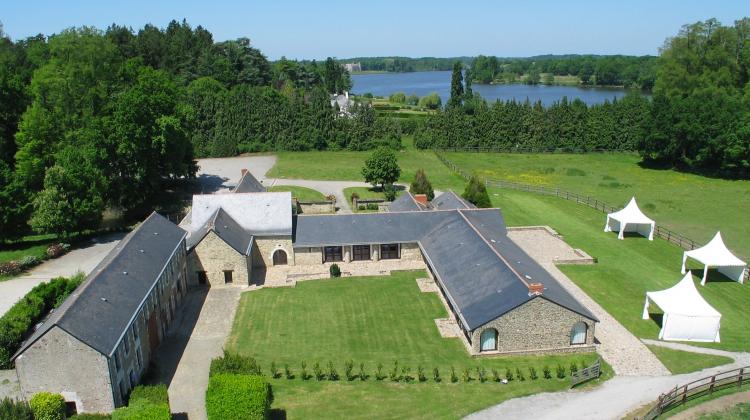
543 150
679 395
660 231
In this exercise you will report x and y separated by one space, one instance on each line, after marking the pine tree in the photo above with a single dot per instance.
422 185
457 86
476 193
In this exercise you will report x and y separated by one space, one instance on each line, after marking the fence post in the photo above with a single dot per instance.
739 378
711 388
684 394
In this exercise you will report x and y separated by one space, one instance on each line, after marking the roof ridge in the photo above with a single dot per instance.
460 211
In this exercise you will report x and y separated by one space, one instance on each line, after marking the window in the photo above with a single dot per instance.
334 253
228 276
202 277
279 257
488 340
360 252
389 252
578 333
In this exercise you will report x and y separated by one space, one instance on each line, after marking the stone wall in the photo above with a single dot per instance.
265 246
411 251
213 256
536 326
59 363
324 207
308 255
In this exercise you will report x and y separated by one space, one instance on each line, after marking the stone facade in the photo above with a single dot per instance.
214 256
265 246
538 326
308 256
411 251
316 207
60 363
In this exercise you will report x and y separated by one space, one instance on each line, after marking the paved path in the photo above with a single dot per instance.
82 259
197 336
619 347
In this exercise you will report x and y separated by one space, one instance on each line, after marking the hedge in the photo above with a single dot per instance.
48 406
240 397
234 363
142 410
11 409
20 319
154 394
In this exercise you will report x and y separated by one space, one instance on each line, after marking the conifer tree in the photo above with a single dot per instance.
476 193
422 185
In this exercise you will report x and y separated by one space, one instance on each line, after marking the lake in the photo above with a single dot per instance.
423 83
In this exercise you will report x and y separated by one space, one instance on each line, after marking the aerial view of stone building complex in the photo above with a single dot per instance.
365 210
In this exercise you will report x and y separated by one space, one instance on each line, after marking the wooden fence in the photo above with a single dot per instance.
669 235
706 386
545 150
583 375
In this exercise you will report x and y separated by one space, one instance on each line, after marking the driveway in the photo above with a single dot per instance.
81 259
197 335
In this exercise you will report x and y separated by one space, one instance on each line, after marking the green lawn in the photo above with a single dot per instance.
685 362
373 320
300 193
693 205
625 269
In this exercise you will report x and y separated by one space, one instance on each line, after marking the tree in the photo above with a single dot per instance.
457 86
381 168
14 205
431 101
476 193
421 185
397 98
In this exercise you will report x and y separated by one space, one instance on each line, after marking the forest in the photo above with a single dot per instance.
93 119
698 118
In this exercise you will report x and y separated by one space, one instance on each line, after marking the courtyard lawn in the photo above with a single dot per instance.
693 205
677 362
626 269
300 193
374 320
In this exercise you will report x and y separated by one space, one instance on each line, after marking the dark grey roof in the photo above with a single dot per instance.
483 272
225 228
99 311
405 202
451 201
248 183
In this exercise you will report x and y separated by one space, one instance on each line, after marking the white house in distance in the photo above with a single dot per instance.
630 219
716 254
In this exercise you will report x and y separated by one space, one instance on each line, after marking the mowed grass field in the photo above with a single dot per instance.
300 193
374 320
626 269
693 205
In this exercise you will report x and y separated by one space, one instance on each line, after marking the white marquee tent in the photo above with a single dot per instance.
630 219
687 316
716 254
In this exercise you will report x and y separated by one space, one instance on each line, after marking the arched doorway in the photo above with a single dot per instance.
488 340
279 257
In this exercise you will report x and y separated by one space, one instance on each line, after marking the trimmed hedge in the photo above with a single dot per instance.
11 409
20 319
234 363
48 406
240 397
154 394
142 410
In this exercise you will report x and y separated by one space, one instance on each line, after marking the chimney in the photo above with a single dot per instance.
536 289
421 199
244 171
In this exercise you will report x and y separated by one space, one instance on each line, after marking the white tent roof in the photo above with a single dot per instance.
683 299
715 253
631 214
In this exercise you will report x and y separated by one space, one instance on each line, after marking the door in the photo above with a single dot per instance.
279 257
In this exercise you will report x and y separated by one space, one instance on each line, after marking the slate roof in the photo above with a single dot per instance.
482 271
451 201
99 311
248 183
268 213
225 228
405 202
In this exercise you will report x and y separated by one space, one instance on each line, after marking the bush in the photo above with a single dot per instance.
362 374
454 377
466 375
496 375
154 394
27 312
48 406
508 375
372 206
349 370
519 375
394 375
573 368
379 372
10 268
15 409
318 372
532 373
235 364
335 270
331 197
288 372
397 98
243 397
481 374
361 207
436 375
142 410
547 372
57 249
420 374
421 185
406 374
303 372
390 192
274 370
560 371
29 261
333 375
476 193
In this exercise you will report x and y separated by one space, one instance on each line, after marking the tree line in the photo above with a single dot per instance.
93 119
405 64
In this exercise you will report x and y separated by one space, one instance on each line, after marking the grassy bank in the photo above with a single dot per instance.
300 193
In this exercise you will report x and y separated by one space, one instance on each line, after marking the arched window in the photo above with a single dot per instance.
578 333
279 257
488 340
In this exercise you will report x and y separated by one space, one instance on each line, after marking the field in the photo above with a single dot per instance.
373 320
677 362
300 193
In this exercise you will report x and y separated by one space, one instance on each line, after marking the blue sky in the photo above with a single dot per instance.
316 29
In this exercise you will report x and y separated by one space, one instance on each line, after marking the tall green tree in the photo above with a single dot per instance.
381 168
457 86
476 193
422 185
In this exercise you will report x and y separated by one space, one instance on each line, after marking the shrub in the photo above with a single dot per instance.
406 374
532 373
10 268
331 197
288 372
496 375
335 270
476 193
547 372
361 207
390 192
420 374
29 261
519 375
372 206
332 374
362 374
508 374
421 185
349 370
318 372
573 368
436 375
394 375
303 372
481 374
560 371
231 397
47 406
154 394
274 370
15 409
236 364
379 372
466 375
398 98
142 410
454 377
57 249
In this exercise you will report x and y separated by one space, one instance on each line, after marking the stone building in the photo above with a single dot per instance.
94 348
